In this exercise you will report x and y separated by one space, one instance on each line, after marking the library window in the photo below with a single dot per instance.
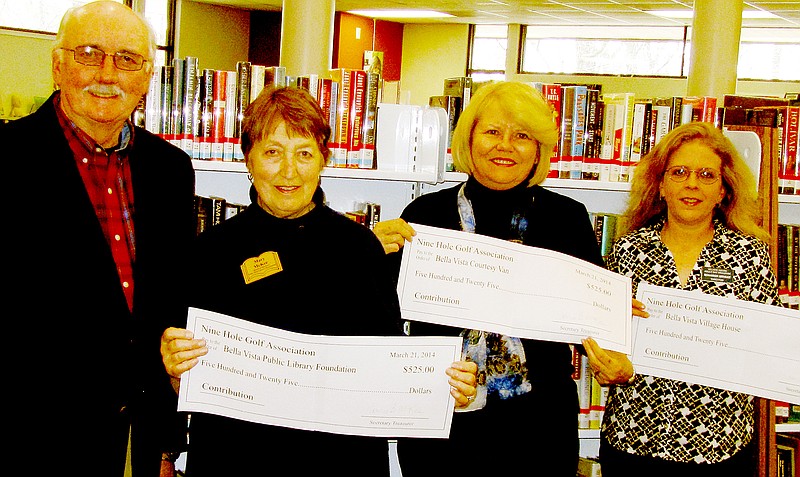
44 16
764 54
487 56
644 51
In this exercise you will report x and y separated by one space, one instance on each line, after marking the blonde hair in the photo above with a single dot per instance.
529 108
738 209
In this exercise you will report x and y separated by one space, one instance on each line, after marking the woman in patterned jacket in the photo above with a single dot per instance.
692 209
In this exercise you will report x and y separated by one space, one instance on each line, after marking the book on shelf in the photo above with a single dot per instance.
576 152
786 122
219 90
552 93
593 133
623 121
167 75
358 86
662 118
582 375
597 404
189 103
205 131
310 83
640 132
152 110
566 131
328 98
244 80
340 133
367 158
784 261
257 80
275 76
176 108
231 113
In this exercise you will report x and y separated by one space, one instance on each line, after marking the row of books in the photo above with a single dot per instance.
210 211
201 110
604 135
788 266
767 117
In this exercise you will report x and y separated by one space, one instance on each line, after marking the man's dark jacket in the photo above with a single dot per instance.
80 366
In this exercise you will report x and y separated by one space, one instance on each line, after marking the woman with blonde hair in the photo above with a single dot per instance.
690 224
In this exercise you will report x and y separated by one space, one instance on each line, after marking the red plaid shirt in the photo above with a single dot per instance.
107 177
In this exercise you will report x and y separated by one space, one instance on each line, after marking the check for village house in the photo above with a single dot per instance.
473 281
359 385
720 342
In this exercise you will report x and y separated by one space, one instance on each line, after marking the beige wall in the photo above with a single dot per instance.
26 67
217 36
431 53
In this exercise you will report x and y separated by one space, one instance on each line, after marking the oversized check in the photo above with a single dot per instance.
720 342
472 281
360 385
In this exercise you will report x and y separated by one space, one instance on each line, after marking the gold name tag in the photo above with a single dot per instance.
256 268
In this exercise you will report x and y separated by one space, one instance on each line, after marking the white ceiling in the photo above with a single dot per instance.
548 12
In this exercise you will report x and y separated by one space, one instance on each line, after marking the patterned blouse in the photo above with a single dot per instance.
675 420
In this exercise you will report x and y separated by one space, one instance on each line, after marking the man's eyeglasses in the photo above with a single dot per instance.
704 175
91 56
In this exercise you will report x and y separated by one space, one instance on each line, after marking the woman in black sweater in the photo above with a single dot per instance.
528 424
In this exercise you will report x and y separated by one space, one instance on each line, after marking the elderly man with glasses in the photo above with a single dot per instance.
98 260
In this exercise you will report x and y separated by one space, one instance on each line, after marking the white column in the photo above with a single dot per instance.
307 36
716 30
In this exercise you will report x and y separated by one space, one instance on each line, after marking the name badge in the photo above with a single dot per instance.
256 268
709 274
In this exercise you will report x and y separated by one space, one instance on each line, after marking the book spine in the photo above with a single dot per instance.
358 86
590 154
219 102
578 132
367 158
153 102
257 78
189 103
244 84
341 135
566 140
231 95
607 148
789 116
638 133
552 93
167 76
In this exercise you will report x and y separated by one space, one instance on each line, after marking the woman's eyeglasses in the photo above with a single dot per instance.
91 56
681 173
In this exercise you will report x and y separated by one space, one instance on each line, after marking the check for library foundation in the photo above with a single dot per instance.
477 282
358 385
